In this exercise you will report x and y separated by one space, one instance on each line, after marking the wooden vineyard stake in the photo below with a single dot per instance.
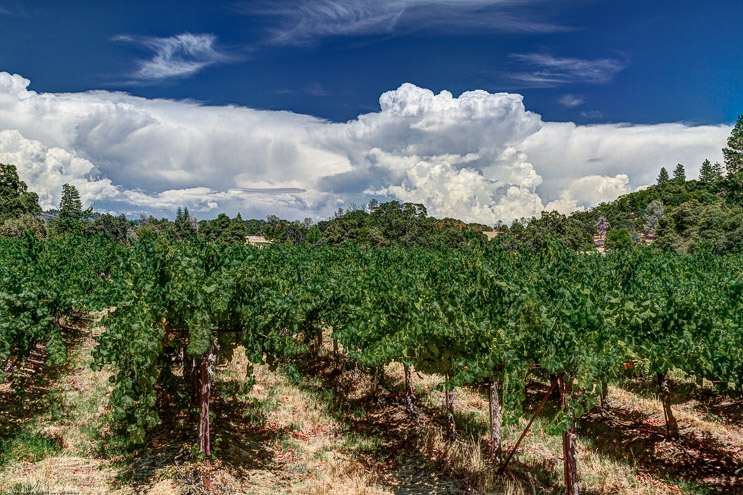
523 433
495 421
319 340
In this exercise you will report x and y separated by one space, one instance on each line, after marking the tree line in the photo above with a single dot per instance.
676 213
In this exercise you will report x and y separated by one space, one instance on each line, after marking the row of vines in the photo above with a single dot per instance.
481 316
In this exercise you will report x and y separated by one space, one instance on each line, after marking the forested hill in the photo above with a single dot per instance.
675 213
679 214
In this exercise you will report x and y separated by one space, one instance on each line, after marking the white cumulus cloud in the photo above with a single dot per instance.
477 156
45 169
589 191
563 152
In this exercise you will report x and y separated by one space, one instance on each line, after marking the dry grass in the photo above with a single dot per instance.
342 432
68 410
344 477
431 464
303 448
687 416
59 474
537 466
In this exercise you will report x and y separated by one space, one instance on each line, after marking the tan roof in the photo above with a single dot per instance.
256 239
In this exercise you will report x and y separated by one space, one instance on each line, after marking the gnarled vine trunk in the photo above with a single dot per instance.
378 376
319 340
672 429
8 364
410 394
208 361
569 439
494 389
605 397
451 426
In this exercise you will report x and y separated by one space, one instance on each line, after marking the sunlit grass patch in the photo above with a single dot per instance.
25 487
29 445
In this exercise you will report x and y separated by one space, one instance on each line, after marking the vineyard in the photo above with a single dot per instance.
547 340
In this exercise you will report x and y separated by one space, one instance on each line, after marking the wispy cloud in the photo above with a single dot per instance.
550 71
4 11
592 114
315 89
570 101
308 20
177 56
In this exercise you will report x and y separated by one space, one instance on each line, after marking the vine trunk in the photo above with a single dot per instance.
569 439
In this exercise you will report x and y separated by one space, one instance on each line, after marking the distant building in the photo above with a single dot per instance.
602 227
598 243
492 234
256 240
648 239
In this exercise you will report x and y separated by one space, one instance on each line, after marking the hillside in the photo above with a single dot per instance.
676 214
679 215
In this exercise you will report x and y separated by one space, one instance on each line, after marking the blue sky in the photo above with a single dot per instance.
670 72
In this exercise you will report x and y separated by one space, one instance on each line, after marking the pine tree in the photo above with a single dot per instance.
70 206
706 172
71 213
183 227
734 152
663 176
235 232
717 168
679 174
